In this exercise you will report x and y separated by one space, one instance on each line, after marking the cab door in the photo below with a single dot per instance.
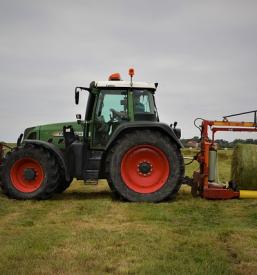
111 110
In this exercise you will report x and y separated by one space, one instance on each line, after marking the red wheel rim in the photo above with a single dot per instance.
18 178
145 168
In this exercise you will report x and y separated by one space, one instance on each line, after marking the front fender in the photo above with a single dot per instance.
55 150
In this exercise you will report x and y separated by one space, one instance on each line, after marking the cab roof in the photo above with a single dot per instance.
125 84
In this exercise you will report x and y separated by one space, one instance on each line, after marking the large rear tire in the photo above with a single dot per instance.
145 166
30 173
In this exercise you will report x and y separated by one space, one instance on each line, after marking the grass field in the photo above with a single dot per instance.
85 231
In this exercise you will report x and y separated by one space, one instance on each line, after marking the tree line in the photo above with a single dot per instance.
222 143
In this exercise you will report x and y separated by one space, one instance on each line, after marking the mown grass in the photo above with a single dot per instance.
86 231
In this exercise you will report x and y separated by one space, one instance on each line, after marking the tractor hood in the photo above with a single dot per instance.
52 132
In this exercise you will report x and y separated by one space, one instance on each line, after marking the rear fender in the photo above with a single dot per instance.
143 125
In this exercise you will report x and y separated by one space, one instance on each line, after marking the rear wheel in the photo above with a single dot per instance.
145 166
30 173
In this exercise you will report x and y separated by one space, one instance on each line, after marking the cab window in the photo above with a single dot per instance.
144 107
111 110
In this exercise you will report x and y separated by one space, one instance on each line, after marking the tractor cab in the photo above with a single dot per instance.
115 102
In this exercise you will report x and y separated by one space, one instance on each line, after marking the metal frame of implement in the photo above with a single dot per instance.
201 183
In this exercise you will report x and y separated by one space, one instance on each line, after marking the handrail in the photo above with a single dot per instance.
244 113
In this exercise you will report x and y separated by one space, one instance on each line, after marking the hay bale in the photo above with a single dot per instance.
244 166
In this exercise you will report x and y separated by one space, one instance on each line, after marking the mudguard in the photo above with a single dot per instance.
55 150
162 127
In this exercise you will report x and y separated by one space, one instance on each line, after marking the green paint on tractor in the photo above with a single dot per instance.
52 133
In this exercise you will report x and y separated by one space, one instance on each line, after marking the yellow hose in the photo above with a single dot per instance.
248 194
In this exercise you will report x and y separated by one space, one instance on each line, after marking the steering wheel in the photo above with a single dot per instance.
116 114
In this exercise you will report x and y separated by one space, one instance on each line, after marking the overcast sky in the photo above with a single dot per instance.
202 53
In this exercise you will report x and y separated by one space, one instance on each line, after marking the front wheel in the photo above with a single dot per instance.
63 184
30 173
145 166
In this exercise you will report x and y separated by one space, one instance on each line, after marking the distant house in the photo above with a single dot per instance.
192 144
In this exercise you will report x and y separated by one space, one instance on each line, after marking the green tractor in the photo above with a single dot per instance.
123 141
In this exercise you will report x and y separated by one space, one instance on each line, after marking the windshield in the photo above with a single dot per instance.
110 100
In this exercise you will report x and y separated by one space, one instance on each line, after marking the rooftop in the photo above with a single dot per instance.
125 84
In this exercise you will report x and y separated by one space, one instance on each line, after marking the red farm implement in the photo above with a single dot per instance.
204 180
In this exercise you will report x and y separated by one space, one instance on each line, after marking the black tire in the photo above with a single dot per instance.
133 142
44 179
63 184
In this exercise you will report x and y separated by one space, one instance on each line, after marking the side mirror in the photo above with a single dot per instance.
78 117
76 97
77 93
